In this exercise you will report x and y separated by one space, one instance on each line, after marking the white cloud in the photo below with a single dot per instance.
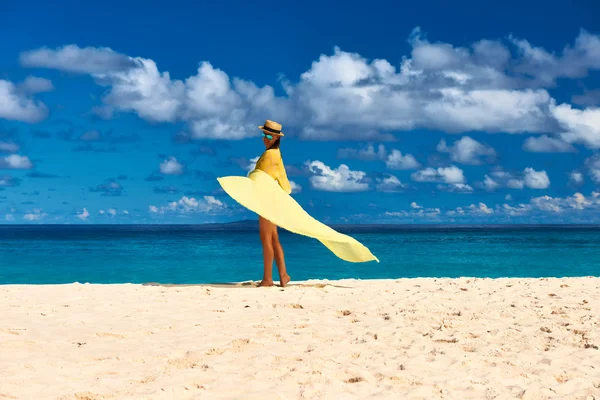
295 187
9 217
252 164
171 166
15 161
575 61
345 96
578 126
9 147
451 175
416 212
529 178
481 208
536 179
36 215
593 166
83 215
397 161
33 84
340 179
490 184
389 184
112 211
449 178
72 58
187 205
456 187
512 211
546 144
17 105
415 205
576 178
467 151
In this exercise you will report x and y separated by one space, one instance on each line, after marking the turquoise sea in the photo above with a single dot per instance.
45 254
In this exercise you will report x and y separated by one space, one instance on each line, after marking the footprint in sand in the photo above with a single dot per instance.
191 359
239 345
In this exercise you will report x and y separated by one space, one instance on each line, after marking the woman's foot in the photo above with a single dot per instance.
265 283
284 280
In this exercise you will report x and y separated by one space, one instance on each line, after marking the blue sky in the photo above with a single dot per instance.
437 112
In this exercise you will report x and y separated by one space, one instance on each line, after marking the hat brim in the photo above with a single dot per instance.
262 128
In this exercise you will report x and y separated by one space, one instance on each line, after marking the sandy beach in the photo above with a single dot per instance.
349 339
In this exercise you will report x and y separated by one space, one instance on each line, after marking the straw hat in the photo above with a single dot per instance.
272 128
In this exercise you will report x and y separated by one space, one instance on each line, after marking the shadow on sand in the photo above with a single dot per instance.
242 285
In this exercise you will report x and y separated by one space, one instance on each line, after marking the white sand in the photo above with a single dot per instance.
395 339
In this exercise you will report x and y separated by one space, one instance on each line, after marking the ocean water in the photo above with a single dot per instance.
41 254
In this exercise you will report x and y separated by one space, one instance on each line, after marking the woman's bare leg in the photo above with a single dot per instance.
266 229
284 278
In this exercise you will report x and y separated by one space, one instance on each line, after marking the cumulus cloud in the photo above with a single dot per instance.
15 161
416 212
396 160
576 178
449 178
536 179
185 205
547 144
389 183
451 174
340 179
18 105
345 96
296 188
558 205
542 206
171 166
593 166
467 151
578 126
575 62
83 215
530 178
36 215
481 209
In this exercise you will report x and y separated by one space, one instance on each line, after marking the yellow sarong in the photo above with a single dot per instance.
260 193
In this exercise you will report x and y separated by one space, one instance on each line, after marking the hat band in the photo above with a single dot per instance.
266 128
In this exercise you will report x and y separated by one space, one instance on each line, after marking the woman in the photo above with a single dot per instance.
271 163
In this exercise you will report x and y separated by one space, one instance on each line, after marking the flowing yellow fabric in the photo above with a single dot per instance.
268 196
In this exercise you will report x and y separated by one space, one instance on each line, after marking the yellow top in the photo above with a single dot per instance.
272 163
260 193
